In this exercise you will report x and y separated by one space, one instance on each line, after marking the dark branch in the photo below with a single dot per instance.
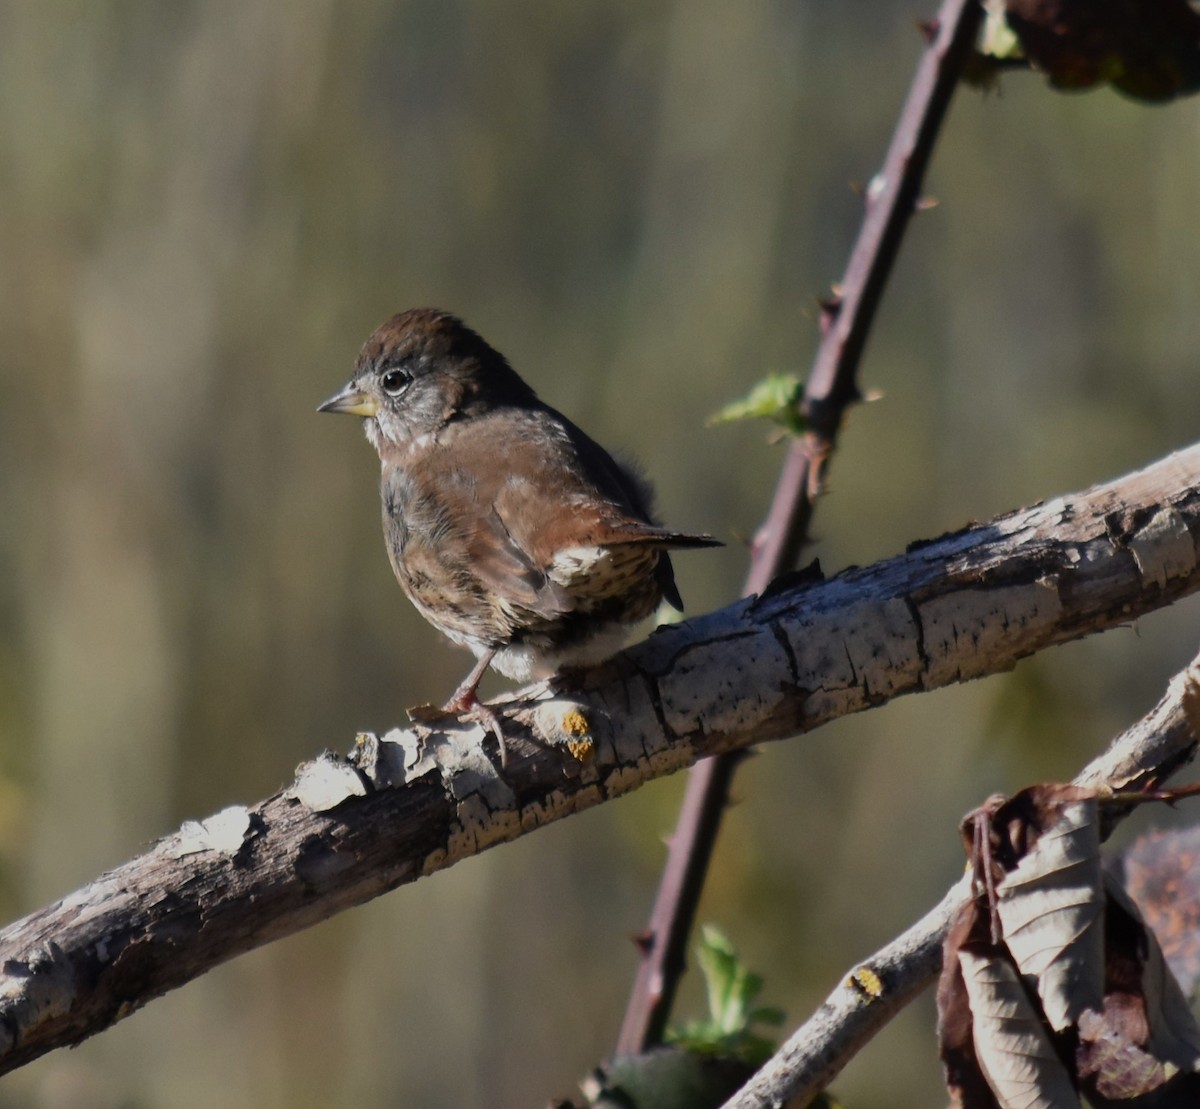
832 387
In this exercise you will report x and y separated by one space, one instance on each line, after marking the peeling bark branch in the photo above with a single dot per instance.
417 800
871 994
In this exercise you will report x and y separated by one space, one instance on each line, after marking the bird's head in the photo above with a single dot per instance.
420 370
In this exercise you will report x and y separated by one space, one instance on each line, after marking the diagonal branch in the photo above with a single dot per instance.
416 801
831 388
871 994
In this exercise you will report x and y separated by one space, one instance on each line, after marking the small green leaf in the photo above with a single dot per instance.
998 39
777 398
728 1029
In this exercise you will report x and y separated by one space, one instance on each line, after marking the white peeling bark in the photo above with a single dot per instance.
417 800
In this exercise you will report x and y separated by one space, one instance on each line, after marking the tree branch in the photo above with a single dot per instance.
416 801
871 994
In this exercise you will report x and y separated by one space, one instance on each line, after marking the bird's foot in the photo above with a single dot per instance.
464 707
489 718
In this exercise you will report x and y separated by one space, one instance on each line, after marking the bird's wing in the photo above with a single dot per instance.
558 518
504 567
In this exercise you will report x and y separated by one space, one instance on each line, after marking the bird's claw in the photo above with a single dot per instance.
472 710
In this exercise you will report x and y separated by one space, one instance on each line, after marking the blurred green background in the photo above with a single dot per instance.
205 208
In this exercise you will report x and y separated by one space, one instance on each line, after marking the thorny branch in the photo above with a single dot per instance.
419 800
831 388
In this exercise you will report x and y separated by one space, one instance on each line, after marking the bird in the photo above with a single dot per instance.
511 531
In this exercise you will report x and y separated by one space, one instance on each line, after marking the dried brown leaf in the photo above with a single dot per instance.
1052 956
1174 1032
1161 871
1011 1042
1051 911
964 1077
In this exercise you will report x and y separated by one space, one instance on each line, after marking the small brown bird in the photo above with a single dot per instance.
511 531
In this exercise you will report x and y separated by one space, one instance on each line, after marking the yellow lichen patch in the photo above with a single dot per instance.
575 724
578 731
867 982
582 747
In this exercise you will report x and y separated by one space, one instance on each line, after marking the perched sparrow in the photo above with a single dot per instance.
512 532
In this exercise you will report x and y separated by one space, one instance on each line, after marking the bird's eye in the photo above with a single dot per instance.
394 382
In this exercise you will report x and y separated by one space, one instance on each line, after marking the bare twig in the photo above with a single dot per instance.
832 387
1154 748
420 800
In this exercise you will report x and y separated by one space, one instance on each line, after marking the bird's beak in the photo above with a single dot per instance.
351 400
